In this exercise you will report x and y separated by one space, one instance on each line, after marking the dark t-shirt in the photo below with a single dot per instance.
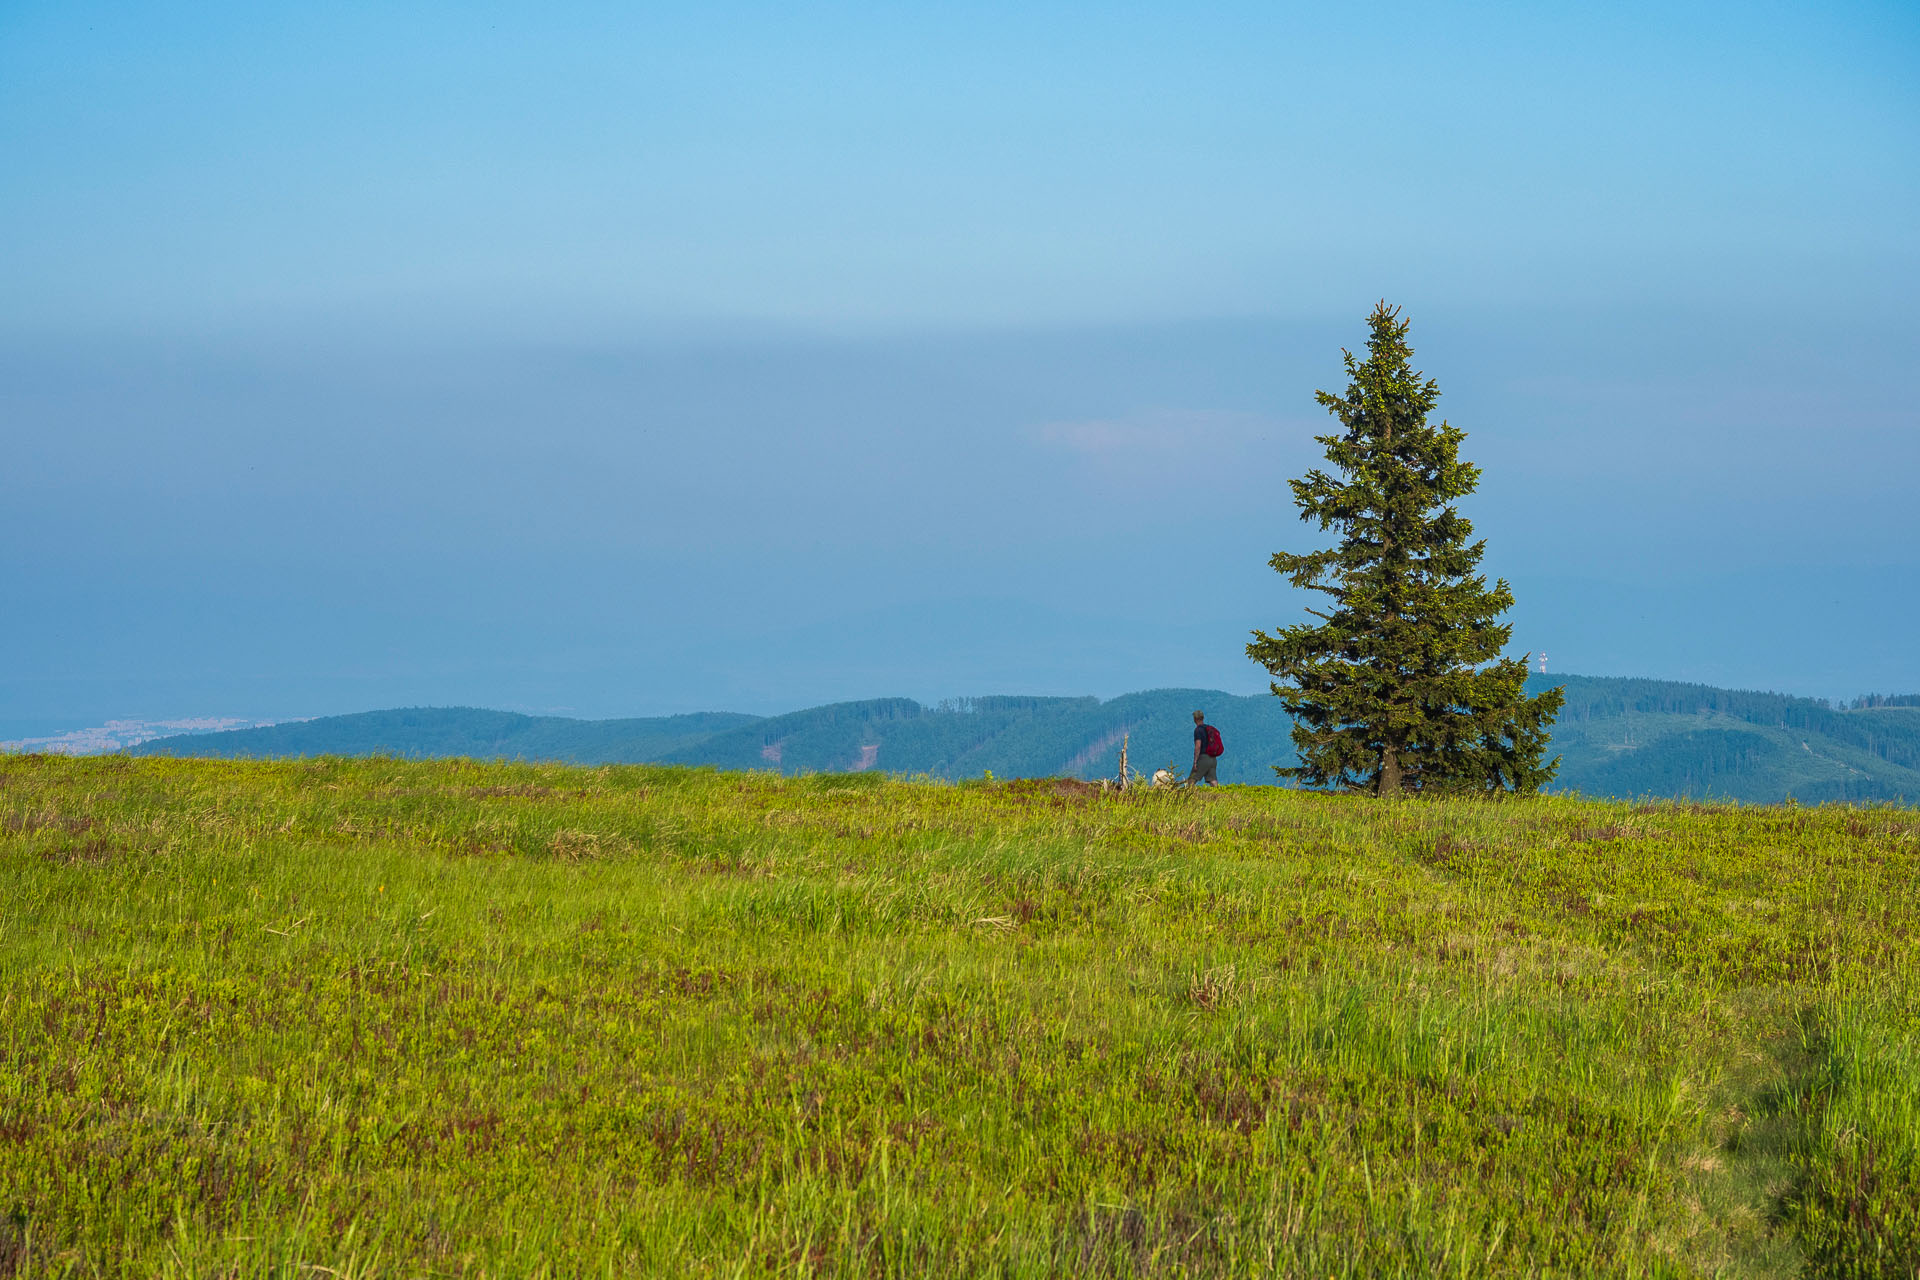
1200 735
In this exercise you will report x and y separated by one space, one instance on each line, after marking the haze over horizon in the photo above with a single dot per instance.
604 363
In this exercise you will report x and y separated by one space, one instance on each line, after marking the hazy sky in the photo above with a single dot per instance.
628 360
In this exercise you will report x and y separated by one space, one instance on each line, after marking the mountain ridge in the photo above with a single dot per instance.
1617 736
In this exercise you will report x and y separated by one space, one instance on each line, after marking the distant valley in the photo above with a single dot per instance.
1616 737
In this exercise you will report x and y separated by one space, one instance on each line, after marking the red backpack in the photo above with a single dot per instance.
1213 746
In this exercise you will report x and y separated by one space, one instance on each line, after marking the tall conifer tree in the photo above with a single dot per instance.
1400 686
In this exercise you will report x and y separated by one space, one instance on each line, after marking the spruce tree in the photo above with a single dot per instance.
1400 686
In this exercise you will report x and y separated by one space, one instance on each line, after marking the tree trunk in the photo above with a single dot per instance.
1389 784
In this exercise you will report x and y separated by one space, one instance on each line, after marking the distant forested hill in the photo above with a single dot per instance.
1653 737
430 732
1013 737
1616 737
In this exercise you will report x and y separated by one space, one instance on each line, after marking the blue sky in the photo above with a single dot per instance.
625 359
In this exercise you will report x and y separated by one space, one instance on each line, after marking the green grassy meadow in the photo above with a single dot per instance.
393 1018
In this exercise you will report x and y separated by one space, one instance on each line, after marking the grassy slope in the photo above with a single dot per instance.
399 1018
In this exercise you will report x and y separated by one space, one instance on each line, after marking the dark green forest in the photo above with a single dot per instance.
1615 737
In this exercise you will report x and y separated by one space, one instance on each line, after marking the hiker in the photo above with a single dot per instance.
1207 750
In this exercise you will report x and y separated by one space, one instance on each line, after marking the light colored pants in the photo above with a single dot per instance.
1205 769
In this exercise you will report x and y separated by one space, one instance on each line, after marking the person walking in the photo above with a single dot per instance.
1207 750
